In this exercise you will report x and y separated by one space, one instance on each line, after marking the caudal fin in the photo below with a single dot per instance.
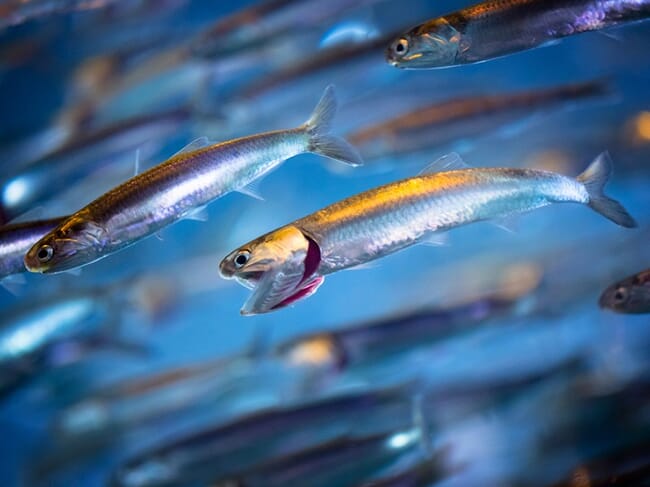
595 178
324 143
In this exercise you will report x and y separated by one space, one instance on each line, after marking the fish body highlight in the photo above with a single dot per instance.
384 220
178 187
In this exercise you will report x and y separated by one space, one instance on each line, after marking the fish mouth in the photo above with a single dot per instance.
249 279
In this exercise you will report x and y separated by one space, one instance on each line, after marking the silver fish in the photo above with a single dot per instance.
180 187
290 263
499 27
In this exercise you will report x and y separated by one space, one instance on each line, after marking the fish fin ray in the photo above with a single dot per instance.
252 189
449 162
136 170
595 178
196 144
199 214
509 224
436 239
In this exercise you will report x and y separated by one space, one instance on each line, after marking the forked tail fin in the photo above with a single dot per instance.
595 178
324 143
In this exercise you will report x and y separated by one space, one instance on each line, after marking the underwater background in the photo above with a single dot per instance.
551 385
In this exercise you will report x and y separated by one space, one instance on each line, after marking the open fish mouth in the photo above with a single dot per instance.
250 279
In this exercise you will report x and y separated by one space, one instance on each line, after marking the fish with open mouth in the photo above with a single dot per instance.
290 263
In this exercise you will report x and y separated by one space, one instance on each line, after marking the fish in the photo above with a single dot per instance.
218 452
464 118
17 238
56 331
343 461
179 187
255 25
352 346
16 12
497 28
631 295
85 156
290 263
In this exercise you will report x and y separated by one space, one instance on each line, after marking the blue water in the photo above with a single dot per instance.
577 251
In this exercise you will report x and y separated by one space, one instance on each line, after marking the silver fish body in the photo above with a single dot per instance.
383 221
16 239
290 263
499 27
181 185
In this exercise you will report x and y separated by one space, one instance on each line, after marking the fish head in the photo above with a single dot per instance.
76 242
430 45
629 296
280 267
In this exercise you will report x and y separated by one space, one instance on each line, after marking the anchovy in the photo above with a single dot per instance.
631 295
352 346
314 64
290 263
344 461
16 12
219 452
81 157
500 27
16 239
180 187
463 119
34 338
255 25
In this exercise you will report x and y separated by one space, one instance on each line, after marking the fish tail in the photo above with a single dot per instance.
595 178
321 140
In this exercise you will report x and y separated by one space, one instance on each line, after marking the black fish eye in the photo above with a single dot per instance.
401 46
241 258
45 253
620 295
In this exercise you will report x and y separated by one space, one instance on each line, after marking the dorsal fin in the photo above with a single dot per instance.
450 162
196 144
136 170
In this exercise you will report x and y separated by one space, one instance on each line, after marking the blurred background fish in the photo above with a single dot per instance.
501 358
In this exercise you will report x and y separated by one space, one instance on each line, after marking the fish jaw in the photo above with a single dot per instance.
74 243
281 268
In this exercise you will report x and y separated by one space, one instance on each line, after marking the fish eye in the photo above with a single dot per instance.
45 253
620 295
401 46
241 258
